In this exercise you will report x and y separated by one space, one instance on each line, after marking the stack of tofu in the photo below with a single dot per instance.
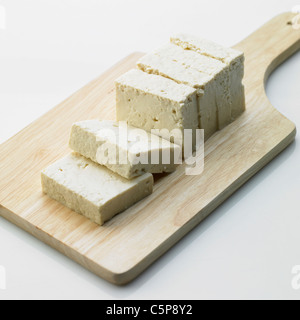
105 175
188 84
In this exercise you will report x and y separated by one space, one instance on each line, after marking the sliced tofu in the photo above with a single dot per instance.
91 189
128 151
191 59
207 48
165 66
216 71
153 102
231 57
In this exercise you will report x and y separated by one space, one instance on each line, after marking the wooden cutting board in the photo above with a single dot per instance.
121 249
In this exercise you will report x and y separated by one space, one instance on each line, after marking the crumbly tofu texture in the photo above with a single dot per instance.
233 58
216 70
190 68
93 190
207 48
165 66
103 142
152 102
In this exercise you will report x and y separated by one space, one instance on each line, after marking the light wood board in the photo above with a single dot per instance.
121 249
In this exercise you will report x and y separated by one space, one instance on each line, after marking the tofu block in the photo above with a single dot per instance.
91 189
204 84
215 73
140 152
153 102
231 57
191 59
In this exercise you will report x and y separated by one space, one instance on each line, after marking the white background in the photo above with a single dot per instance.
246 248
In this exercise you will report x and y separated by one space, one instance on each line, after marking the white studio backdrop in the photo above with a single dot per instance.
248 247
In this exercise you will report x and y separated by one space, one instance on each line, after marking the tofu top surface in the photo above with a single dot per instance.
166 66
138 140
94 182
207 48
190 59
156 85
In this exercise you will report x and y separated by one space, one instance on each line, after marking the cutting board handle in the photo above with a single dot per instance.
271 45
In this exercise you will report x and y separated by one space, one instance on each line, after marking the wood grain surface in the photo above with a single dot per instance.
121 249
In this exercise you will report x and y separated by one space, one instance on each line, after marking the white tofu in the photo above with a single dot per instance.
153 102
207 48
231 57
206 86
191 59
93 190
140 152
216 71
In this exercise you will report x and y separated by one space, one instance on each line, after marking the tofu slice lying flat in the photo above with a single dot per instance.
93 190
140 152
233 58
215 73
149 102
